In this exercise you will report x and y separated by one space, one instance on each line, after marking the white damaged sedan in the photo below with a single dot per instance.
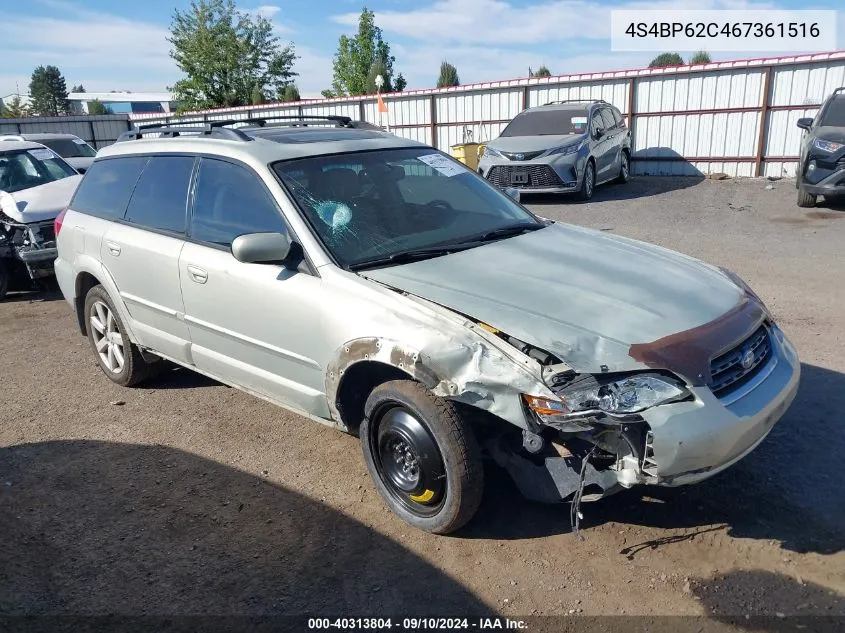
35 185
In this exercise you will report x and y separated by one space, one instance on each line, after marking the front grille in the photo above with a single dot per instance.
539 176
523 155
727 371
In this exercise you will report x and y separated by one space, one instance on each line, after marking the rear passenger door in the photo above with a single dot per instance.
253 325
614 136
141 253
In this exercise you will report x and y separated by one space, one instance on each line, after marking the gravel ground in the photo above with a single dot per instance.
186 497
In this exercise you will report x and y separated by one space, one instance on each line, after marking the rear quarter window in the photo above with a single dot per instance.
107 186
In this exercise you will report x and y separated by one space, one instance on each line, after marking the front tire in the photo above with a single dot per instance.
4 280
806 200
117 356
588 182
423 458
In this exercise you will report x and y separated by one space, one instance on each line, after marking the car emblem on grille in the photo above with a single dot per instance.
747 360
519 156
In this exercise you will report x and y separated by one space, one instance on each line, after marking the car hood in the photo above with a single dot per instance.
39 203
534 143
80 162
580 294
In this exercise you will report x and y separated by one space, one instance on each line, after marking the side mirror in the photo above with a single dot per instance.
599 132
261 248
805 123
512 192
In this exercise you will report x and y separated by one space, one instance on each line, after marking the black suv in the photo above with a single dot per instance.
821 169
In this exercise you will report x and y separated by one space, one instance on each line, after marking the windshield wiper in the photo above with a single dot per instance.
503 232
404 257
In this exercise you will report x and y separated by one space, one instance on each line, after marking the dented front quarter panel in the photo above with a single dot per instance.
445 351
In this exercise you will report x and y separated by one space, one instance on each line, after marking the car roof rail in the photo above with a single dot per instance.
838 90
213 129
297 120
11 137
561 101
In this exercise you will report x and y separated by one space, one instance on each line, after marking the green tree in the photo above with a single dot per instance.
542 71
290 93
14 109
356 56
258 97
96 107
701 57
377 68
399 83
448 76
79 88
225 54
666 59
48 92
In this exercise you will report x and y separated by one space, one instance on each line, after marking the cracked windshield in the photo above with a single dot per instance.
381 207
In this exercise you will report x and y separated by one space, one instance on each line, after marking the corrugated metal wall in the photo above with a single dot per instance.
736 117
98 131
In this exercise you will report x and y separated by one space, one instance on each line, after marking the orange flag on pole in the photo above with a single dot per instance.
381 106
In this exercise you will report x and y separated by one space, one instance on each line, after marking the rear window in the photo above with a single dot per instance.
160 198
107 186
69 147
547 122
834 113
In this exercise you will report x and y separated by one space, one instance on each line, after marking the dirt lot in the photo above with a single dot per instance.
185 496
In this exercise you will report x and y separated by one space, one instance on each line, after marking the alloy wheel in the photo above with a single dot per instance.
107 337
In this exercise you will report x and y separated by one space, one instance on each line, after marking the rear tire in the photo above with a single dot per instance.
588 182
806 200
117 356
422 456
624 168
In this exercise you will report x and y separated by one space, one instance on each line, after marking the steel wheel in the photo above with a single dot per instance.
408 461
108 340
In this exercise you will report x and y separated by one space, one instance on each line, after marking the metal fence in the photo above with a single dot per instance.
736 117
97 131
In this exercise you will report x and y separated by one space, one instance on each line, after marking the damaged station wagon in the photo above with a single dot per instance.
376 285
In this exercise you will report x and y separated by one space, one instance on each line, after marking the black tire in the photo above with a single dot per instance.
588 182
806 200
624 168
4 280
449 481
134 368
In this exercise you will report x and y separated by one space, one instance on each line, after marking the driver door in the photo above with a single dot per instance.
253 325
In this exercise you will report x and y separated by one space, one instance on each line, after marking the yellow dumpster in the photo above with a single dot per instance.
467 153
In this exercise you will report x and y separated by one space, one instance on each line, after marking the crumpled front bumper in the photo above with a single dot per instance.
695 440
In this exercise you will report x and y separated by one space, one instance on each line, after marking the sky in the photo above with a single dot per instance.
121 45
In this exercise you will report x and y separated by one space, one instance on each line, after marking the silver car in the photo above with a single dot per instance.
560 147
76 152
376 285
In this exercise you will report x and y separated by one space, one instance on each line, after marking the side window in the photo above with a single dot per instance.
596 122
107 185
229 201
161 195
620 120
607 117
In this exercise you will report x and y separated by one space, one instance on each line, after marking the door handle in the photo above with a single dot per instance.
114 249
197 274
